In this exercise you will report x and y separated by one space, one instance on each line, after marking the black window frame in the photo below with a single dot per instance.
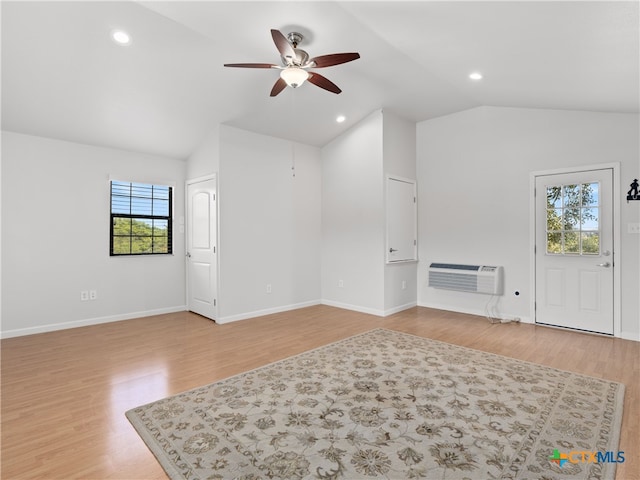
138 216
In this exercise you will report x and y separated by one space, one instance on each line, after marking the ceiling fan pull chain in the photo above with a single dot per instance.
293 159
293 146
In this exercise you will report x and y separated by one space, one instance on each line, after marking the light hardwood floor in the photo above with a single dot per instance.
64 393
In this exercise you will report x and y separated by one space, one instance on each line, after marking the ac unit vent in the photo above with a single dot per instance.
466 278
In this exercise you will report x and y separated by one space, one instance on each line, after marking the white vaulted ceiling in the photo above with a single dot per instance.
63 76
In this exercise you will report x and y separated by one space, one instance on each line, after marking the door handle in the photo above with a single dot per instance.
605 265
391 250
188 254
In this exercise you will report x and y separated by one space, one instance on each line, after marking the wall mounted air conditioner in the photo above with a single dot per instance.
467 278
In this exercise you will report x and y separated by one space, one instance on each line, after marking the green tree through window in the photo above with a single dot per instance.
573 225
140 219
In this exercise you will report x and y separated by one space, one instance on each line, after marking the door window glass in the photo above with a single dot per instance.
573 219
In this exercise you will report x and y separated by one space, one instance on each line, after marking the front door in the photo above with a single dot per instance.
574 258
202 272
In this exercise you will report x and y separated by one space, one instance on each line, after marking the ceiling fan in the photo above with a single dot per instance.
296 64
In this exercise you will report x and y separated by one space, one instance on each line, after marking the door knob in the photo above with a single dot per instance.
605 265
188 254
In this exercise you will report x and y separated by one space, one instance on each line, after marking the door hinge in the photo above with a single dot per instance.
214 249
214 302
214 197
415 242
414 199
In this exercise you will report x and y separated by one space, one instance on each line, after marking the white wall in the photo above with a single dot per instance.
399 159
353 218
205 160
354 170
55 237
303 235
473 192
269 224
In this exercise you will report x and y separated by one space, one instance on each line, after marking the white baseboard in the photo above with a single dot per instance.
472 311
399 308
266 311
286 308
630 336
89 321
355 308
370 311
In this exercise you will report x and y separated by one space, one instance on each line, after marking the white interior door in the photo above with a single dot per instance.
401 220
202 268
574 258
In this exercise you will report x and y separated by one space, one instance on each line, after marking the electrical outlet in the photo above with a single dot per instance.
404 284
268 288
340 283
633 227
93 294
84 295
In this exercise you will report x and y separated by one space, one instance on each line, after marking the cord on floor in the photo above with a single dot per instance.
492 312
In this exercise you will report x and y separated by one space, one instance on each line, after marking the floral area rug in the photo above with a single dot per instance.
385 404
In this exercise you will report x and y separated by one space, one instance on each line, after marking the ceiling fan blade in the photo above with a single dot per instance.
283 45
251 65
323 82
333 59
278 87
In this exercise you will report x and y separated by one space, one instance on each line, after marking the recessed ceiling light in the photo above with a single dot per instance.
121 37
475 76
340 118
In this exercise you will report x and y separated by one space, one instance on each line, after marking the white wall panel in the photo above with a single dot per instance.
55 237
353 218
473 194
269 224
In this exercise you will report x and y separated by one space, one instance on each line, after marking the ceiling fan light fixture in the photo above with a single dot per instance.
293 71
294 76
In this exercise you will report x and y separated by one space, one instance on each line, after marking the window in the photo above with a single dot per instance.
573 225
140 219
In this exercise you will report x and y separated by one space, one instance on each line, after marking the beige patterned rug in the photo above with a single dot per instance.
386 404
